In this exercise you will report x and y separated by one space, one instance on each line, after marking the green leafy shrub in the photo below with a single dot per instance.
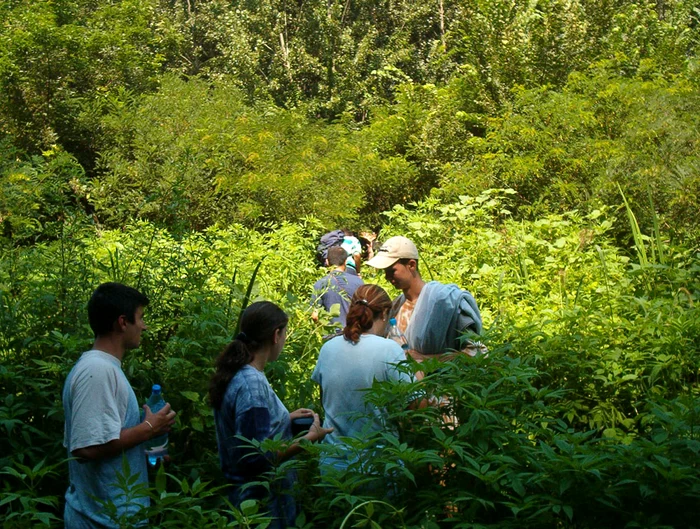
56 55
39 197
584 413
195 155
569 149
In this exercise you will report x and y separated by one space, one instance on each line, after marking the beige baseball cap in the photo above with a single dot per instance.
392 250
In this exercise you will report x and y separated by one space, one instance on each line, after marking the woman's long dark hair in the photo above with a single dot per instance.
368 303
258 325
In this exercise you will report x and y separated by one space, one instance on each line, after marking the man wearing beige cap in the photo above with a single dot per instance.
432 315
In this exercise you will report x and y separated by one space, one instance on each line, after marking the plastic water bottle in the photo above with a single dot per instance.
396 334
157 447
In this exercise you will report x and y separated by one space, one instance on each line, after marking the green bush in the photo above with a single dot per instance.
42 197
584 413
54 56
195 155
569 149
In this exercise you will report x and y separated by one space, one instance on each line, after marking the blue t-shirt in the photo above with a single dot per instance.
99 403
251 409
345 371
337 288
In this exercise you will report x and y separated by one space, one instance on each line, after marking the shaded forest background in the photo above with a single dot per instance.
191 114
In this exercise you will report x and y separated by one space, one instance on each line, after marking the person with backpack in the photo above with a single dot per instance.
359 247
328 241
337 287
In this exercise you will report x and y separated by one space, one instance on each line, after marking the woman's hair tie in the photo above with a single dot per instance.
242 337
363 302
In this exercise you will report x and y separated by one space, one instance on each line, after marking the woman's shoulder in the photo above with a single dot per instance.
247 378
375 339
382 346
248 386
335 343
250 375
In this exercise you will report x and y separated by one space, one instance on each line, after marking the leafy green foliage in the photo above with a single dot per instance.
40 197
284 100
572 149
199 148
542 154
584 413
195 154
55 55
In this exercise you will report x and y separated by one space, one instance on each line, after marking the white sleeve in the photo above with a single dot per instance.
95 417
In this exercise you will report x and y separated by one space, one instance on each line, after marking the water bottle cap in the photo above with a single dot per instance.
392 321
156 388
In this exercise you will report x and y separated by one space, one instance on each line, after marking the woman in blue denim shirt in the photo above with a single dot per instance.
246 406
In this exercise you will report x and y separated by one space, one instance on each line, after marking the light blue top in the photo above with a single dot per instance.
351 245
345 371
99 403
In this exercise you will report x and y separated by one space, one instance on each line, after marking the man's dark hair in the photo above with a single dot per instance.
111 300
405 261
337 256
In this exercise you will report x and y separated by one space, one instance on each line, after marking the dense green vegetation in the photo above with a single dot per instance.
197 113
584 414
544 155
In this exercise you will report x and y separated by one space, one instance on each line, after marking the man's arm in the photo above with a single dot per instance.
130 437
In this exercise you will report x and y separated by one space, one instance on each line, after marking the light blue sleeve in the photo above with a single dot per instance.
395 355
316 375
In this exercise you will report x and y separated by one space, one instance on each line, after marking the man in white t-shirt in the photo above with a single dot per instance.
103 429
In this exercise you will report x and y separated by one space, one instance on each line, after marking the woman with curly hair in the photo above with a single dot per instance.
347 367
246 408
